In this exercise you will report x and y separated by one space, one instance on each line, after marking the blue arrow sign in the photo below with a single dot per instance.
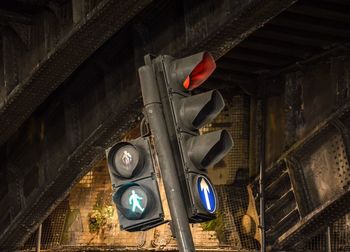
206 194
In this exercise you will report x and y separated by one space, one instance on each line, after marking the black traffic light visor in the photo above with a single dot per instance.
198 110
208 149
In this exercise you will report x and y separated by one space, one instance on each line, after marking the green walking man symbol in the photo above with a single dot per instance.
134 200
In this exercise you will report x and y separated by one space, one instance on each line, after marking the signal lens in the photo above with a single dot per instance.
132 201
200 73
125 160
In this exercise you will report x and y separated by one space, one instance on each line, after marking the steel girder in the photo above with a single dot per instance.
308 187
98 103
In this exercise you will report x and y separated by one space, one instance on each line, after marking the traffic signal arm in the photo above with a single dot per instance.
154 113
149 89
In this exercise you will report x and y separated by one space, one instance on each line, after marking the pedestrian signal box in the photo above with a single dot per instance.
135 188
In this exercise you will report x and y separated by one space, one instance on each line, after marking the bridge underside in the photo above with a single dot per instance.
69 89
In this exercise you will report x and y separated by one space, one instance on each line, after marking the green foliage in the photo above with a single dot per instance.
98 217
214 225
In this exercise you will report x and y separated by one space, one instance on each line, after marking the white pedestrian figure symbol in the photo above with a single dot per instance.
126 158
134 200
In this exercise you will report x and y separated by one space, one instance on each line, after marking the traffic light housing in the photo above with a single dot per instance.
135 188
185 113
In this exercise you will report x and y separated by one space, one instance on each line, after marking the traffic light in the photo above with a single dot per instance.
185 112
135 188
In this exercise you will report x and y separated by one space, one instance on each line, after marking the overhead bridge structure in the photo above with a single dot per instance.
69 90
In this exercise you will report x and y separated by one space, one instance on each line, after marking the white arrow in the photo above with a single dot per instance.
204 187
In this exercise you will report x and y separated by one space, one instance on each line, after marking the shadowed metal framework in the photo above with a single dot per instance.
306 30
297 62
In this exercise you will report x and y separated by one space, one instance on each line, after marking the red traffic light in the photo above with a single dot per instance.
190 72
201 72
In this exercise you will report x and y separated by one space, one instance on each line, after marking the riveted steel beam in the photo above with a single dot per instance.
80 42
101 100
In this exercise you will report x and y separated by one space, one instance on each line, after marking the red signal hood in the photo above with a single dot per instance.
192 71
200 73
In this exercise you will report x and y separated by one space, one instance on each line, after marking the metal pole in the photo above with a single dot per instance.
262 178
329 244
154 113
38 242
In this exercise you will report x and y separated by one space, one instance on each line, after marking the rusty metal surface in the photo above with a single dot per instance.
102 24
88 123
112 248
104 21
71 171
287 41
78 126
309 186
249 16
